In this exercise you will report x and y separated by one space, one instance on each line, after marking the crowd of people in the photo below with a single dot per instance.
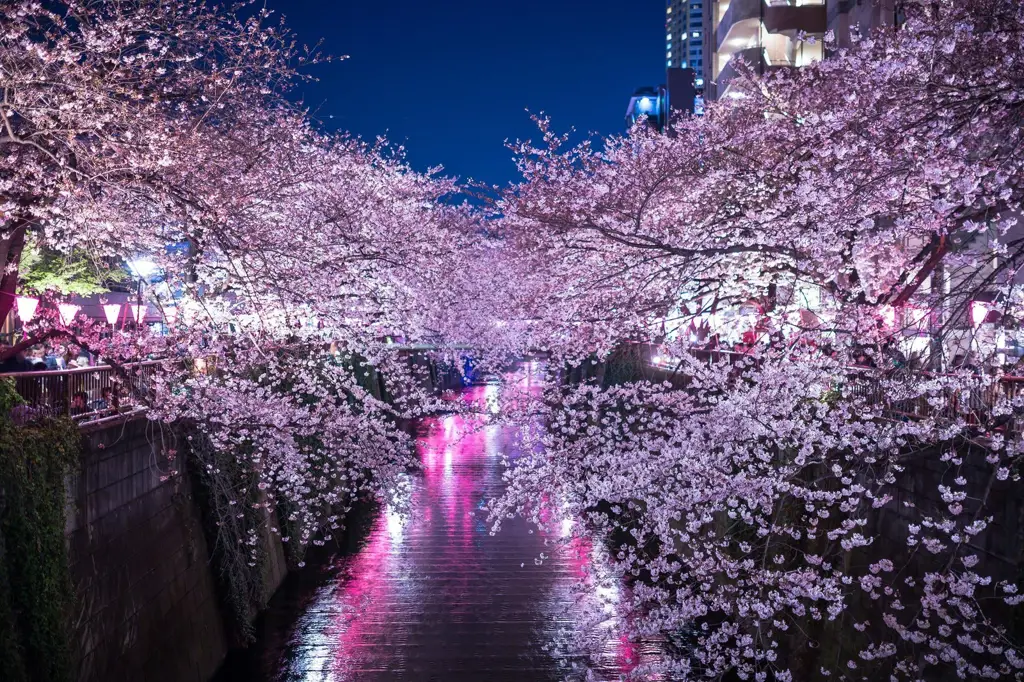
50 392
40 359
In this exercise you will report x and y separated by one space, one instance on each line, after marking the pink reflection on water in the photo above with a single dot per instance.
431 590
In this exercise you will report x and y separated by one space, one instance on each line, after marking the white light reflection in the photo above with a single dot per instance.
448 470
491 398
395 524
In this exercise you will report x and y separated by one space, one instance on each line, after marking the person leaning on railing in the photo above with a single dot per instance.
79 404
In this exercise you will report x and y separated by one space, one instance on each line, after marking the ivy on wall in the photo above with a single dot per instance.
228 498
36 591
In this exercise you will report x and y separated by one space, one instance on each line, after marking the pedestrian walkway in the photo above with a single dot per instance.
431 595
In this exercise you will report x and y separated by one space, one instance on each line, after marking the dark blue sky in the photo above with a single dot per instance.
452 79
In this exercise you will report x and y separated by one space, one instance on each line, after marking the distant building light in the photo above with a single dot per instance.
668 63
699 82
695 34
645 105
668 37
668 11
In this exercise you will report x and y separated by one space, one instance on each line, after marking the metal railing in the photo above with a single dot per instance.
84 394
974 405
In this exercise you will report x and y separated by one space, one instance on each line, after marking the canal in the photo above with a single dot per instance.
426 592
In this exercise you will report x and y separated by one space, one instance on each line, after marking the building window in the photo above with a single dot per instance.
668 11
695 34
668 63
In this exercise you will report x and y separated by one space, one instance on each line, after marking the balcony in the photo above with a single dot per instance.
727 71
741 23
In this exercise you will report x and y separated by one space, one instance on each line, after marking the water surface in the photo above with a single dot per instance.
427 593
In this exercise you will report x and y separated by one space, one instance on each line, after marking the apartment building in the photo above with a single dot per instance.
770 34
685 36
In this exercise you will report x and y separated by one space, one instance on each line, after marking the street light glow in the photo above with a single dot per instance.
143 268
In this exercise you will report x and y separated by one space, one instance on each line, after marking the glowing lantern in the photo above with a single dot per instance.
112 311
979 311
27 308
139 312
888 315
68 312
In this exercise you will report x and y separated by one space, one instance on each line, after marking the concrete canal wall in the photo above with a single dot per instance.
147 602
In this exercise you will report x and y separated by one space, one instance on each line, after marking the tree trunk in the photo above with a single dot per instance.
937 317
11 247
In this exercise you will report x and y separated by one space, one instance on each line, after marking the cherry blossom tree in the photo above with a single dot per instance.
106 103
771 509
287 256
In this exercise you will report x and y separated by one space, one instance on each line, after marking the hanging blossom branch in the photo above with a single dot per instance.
818 504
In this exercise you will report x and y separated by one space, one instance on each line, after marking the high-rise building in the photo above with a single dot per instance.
771 34
685 36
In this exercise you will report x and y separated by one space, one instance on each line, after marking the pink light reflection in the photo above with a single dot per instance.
431 586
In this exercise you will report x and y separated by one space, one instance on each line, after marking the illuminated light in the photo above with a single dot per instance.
491 398
917 316
888 315
27 308
138 312
113 312
646 104
143 268
395 524
67 312
979 311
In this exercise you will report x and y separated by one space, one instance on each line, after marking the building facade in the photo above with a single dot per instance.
685 37
771 34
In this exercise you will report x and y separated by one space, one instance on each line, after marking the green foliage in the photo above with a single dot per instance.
42 269
36 592
228 499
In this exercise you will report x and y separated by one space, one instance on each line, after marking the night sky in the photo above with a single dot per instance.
452 79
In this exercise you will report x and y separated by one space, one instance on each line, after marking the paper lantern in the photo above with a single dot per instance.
27 308
979 311
67 312
113 312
